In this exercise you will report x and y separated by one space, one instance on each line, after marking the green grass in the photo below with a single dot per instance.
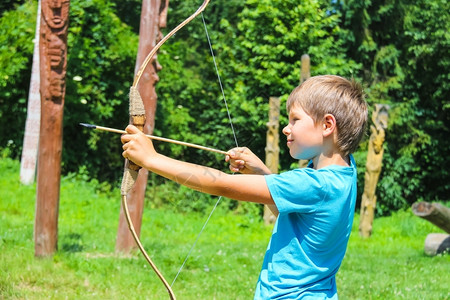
224 265
391 264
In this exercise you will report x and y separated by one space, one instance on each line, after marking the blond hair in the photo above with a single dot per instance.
344 99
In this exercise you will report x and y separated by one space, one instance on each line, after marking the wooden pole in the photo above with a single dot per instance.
272 147
305 73
153 17
53 61
373 169
28 160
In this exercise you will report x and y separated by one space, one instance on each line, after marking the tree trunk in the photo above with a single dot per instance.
436 213
53 61
272 148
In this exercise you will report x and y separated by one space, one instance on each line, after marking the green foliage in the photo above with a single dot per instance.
264 60
16 48
100 67
190 103
404 48
129 12
6 5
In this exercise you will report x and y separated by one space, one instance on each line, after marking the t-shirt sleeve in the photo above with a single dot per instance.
300 190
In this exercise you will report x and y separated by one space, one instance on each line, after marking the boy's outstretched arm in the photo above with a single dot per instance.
244 187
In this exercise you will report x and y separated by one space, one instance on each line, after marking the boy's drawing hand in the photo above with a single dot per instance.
137 147
244 161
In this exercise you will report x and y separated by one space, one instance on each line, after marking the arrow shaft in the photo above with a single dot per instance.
157 138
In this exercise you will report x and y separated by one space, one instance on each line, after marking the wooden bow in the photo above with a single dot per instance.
137 114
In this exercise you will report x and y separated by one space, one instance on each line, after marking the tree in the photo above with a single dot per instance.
404 48
264 60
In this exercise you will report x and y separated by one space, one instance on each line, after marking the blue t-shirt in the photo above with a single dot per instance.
310 236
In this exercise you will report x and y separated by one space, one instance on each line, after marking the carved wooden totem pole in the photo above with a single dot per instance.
153 17
373 168
53 60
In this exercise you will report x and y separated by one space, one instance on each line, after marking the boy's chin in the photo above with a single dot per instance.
305 154
299 156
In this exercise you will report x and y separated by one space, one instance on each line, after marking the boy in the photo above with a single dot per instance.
314 205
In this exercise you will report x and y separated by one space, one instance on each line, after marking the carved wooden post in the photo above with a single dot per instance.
373 168
153 17
305 73
31 137
53 60
272 147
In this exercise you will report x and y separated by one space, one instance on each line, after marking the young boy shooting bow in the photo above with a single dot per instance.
314 205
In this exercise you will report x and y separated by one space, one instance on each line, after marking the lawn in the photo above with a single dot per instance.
224 264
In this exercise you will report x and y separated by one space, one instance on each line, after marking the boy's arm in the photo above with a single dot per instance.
138 148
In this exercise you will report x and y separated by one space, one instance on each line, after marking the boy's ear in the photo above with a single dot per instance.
329 124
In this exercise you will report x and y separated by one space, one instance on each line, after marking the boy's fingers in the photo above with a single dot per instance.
237 163
234 170
236 152
125 138
132 132
132 129
237 166
241 163
230 154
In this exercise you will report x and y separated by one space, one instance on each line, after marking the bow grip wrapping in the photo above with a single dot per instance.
137 115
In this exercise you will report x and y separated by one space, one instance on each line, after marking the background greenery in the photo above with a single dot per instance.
224 264
399 49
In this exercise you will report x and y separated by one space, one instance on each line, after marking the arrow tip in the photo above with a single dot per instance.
88 125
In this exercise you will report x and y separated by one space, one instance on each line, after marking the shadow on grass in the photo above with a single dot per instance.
72 243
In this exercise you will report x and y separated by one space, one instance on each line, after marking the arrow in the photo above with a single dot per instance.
157 138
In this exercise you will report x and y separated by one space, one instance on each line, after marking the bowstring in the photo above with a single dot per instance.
235 140
220 81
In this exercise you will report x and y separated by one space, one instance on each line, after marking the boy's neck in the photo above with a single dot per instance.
325 160
330 154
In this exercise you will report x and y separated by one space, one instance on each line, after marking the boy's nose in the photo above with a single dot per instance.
286 130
